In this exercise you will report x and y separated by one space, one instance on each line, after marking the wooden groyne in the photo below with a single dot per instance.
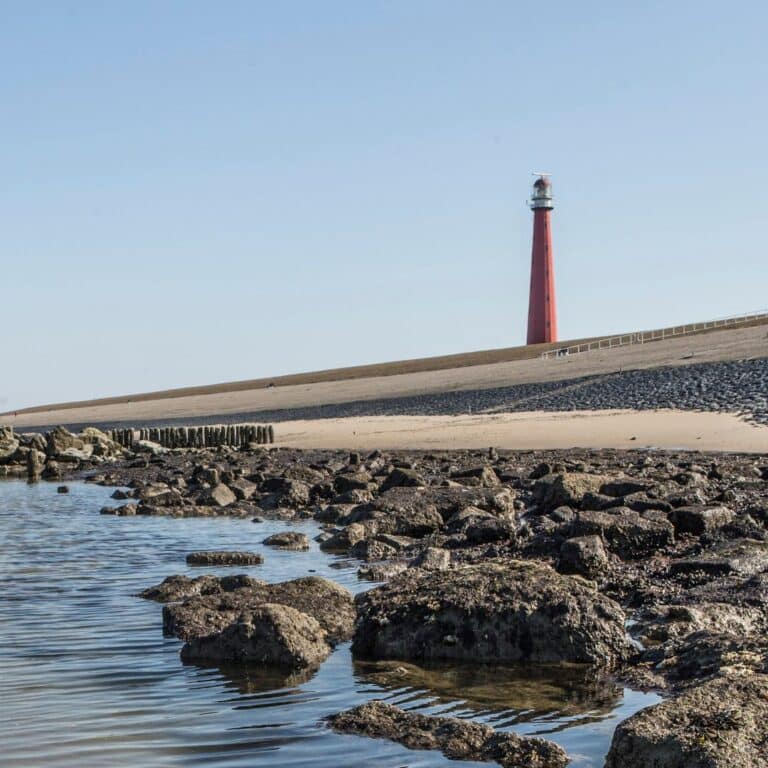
209 436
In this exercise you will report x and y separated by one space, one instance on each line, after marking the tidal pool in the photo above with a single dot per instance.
87 678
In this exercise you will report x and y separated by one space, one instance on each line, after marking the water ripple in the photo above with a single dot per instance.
87 678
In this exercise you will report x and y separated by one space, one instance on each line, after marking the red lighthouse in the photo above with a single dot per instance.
542 313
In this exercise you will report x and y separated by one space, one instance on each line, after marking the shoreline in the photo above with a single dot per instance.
627 429
647 567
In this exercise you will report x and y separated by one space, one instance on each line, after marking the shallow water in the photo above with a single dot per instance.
87 678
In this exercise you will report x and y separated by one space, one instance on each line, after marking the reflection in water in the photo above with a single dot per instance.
519 694
250 679
87 679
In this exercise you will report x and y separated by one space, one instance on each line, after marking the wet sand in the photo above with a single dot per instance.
585 429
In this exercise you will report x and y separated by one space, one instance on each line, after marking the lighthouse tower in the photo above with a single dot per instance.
542 313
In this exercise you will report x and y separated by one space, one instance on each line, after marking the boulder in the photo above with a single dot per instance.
9 444
272 634
744 557
242 488
224 558
405 512
103 445
485 476
510 611
35 463
218 496
457 739
583 555
565 489
461 520
705 654
207 475
626 532
371 550
147 446
402 478
700 519
288 540
490 530
720 724
624 486
351 482
60 439
660 623
322 599
75 455
432 559
345 538
159 495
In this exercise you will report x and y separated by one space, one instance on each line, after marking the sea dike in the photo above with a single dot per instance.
536 557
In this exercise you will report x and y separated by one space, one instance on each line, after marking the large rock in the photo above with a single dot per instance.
512 611
272 634
218 496
565 489
59 440
660 623
456 739
402 478
322 599
147 446
624 486
9 444
406 511
720 724
700 519
744 557
103 445
242 488
626 532
35 463
483 476
706 654
583 555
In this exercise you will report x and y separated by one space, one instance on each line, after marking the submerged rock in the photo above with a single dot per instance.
288 540
271 634
224 558
510 611
179 587
720 724
456 739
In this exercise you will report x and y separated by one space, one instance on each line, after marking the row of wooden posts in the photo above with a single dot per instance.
210 436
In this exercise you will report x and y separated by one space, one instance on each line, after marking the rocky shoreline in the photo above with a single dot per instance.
649 567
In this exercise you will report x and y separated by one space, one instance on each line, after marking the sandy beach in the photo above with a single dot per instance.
585 429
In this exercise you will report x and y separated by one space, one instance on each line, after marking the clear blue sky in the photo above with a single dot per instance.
193 192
